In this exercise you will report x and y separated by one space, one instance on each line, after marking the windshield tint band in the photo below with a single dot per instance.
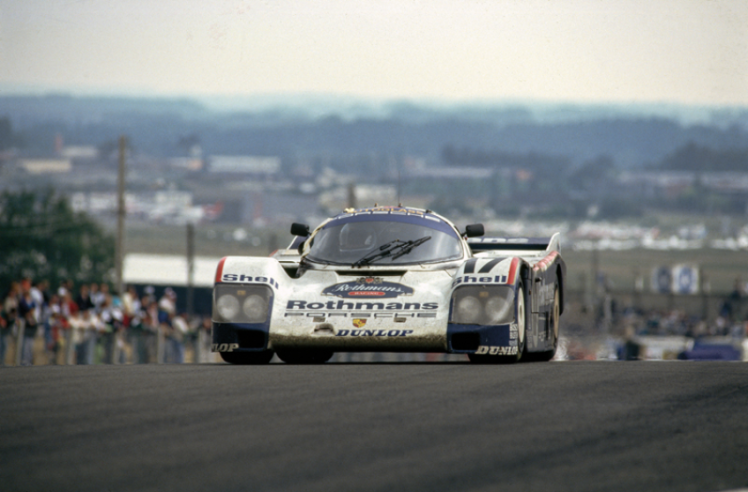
430 222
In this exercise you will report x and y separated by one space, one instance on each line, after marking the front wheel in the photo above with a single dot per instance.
247 358
521 331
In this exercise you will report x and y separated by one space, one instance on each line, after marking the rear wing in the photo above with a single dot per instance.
520 245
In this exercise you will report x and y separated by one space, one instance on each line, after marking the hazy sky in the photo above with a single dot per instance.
690 51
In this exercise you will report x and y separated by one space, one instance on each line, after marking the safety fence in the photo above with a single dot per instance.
123 347
157 348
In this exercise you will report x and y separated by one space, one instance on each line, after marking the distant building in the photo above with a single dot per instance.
45 166
244 164
187 163
277 208
173 199
82 152
365 195
150 269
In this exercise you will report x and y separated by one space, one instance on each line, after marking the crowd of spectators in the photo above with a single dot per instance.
91 324
731 319
677 322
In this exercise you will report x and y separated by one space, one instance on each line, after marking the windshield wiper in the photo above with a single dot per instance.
409 246
396 246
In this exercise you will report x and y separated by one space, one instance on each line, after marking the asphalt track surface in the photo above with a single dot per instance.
597 426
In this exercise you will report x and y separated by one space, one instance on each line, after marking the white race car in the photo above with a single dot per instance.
391 279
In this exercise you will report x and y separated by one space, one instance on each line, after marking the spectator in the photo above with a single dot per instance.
138 327
83 300
631 349
95 295
68 306
112 323
50 316
152 328
203 335
7 323
85 327
130 302
57 326
66 287
167 303
8 316
11 299
179 330
27 312
38 293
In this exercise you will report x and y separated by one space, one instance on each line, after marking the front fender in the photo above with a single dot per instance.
245 270
250 270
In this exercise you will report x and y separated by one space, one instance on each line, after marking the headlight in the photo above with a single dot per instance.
227 307
483 305
498 310
234 303
255 308
468 310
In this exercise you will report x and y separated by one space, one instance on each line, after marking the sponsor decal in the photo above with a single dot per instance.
513 332
373 333
389 210
470 279
294 305
235 277
399 317
370 280
493 350
359 322
224 347
499 240
545 294
368 287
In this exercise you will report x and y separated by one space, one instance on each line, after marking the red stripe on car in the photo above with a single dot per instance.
219 270
543 264
513 270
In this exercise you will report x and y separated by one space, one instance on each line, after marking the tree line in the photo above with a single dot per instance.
42 237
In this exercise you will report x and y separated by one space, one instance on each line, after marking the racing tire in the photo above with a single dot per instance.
295 356
555 315
247 358
521 336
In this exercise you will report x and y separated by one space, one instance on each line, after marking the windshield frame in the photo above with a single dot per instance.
418 223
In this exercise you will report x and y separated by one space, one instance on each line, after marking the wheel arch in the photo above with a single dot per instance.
560 278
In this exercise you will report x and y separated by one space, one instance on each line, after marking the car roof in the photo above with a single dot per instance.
394 213
388 209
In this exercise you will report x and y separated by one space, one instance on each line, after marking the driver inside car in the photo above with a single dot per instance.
357 236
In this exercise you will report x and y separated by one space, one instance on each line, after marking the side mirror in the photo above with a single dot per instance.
299 229
474 230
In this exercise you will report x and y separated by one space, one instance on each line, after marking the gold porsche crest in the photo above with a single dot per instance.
358 322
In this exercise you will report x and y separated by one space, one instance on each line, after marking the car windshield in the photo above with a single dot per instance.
348 241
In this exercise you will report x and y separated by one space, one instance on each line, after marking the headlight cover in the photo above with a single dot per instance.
255 308
227 306
483 305
241 303
468 309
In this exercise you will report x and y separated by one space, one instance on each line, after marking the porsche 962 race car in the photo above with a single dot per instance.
391 279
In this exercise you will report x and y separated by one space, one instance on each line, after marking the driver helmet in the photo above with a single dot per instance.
357 236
